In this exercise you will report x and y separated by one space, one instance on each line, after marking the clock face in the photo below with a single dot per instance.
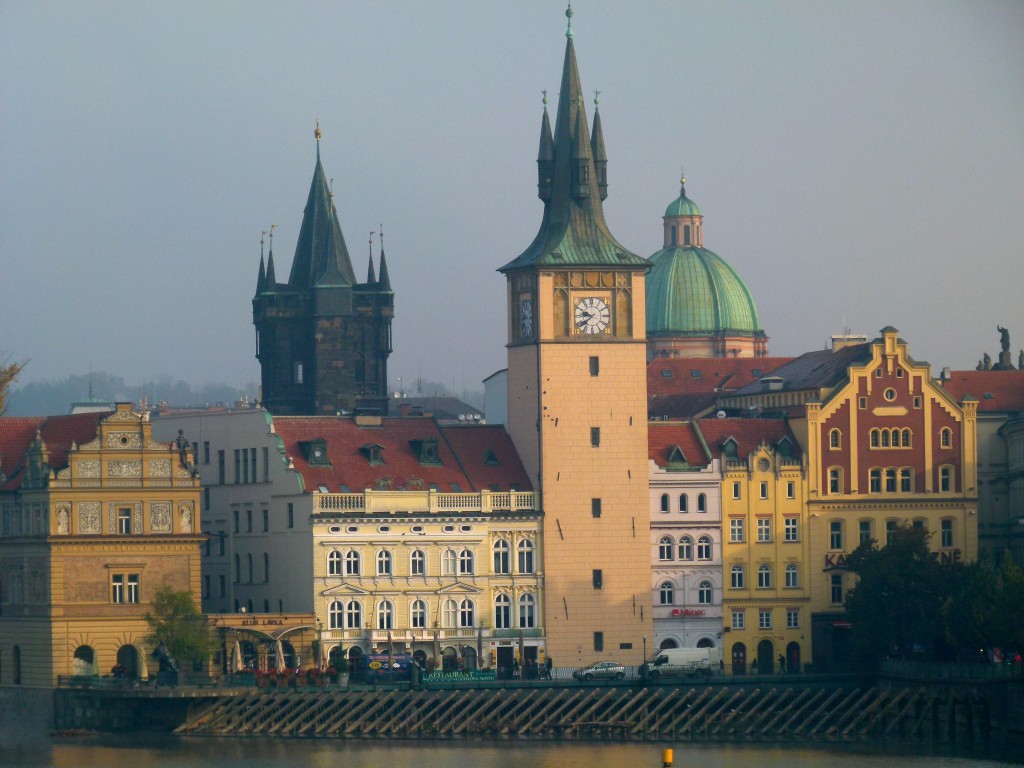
591 315
525 317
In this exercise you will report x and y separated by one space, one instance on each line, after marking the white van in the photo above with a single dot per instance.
681 662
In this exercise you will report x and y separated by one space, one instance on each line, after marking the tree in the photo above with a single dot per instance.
896 606
175 621
8 373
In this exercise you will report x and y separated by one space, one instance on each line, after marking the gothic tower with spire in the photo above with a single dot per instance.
577 395
322 338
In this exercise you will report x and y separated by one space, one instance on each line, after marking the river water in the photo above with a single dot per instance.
170 752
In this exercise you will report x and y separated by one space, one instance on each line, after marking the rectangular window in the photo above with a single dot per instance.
837 588
835 535
764 490
238 466
862 403
595 507
117 588
291 515
906 481
917 401
124 588
595 365
598 579
738 620
266 465
864 531
736 530
206 587
206 452
220 468
947 533
890 481
792 619
792 529
791 490
132 585
945 479
764 529
835 480
764 619
248 521
124 521
206 499
222 586
595 436
234 516
297 373
599 641
890 530
245 466
266 520
252 460
736 490
875 481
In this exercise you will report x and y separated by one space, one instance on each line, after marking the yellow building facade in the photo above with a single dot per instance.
96 517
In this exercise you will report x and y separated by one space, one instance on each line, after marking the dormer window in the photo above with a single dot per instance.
676 456
315 452
426 450
729 448
374 453
785 448
490 458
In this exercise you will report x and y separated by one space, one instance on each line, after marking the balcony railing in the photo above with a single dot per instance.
424 502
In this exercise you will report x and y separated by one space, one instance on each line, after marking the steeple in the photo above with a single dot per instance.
597 148
573 230
261 280
271 282
385 279
370 276
321 246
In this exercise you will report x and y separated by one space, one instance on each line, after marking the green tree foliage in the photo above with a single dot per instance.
896 606
970 610
8 373
175 621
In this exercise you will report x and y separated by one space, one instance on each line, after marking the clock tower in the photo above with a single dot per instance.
577 395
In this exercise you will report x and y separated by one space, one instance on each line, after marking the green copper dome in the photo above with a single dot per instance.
691 291
682 206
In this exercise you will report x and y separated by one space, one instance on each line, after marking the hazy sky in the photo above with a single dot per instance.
857 162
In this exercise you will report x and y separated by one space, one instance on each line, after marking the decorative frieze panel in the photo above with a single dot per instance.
160 516
89 517
123 440
159 467
128 469
89 468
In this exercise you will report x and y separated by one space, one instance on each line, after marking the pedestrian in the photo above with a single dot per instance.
548 664
782 664
515 669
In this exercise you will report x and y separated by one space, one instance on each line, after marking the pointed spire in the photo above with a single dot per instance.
597 148
385 280
261 281
271 276
545 156
682 183
371 278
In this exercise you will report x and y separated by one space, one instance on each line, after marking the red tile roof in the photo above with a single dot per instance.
351 469
663 437
748 434
57 432
995 390
676 375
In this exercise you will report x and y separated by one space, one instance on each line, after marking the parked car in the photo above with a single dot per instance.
601 670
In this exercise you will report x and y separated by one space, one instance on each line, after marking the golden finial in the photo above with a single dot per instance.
317 133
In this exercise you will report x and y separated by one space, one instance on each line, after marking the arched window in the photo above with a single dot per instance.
704 548
466 562
666 593
686 234
335 615
449 562
906 438
946 438
352 563
503 612
683 502
686 548
354 615
738 577
385 615
792 579
875 481
704 593
874 438
266 568
384 563
764 576
527 611
418 563
664 502
418 614
334 563
665 548
885 438
890 480
674 235
835 439
526 556
906 480
449 614
467 613
702 503
502 558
